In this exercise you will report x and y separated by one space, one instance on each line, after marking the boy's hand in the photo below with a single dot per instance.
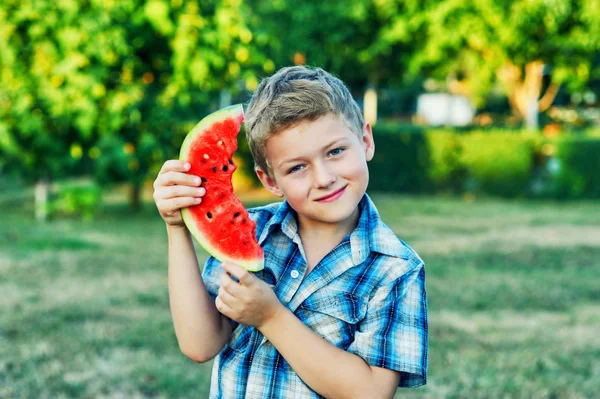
251 302
175 189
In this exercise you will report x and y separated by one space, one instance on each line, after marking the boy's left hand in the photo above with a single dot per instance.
250 302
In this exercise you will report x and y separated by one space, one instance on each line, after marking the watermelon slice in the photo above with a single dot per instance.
220 223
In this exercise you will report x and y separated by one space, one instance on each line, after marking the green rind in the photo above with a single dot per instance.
231 111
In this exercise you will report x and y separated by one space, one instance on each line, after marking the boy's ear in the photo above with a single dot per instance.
368 142
268 182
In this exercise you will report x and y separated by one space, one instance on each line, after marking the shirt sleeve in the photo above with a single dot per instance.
393 334
211 275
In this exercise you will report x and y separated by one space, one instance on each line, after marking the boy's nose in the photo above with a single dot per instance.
323 176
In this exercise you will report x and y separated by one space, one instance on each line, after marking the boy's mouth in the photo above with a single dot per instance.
333 196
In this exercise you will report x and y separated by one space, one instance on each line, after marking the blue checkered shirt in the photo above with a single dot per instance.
367 297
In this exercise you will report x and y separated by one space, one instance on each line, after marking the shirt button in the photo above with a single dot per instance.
294 274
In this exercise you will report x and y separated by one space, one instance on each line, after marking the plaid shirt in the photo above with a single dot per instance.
367 297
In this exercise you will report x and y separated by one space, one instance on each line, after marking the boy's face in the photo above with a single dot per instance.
320 167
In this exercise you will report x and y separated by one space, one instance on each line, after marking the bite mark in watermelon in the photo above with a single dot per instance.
220 223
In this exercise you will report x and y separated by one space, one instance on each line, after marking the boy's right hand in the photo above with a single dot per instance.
175 189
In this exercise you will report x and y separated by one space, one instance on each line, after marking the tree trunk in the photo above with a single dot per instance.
525 91
370 105
531 113
135 196
41 200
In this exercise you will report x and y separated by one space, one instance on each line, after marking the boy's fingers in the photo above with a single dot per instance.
177 178
175 204
226 297
237 271
222 307
175 165
229 285
181 191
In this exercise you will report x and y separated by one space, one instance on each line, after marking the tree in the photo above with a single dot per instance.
367 43
529 46
111 87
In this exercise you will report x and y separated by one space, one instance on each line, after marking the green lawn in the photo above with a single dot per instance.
514 303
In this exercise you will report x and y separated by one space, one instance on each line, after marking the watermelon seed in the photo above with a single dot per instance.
230 161
225 168
220 142
236 214
203 179
206 156
214 168
209 215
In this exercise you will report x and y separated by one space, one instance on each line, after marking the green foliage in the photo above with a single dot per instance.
77 200
362 41
499 163
400 162
473 40
393 128
247 161
111 87
494 161
82 81
444 167
579 163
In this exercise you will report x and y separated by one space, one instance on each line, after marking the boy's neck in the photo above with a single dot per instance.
318 239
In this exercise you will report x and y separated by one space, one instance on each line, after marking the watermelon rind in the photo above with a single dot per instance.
234 111
252 266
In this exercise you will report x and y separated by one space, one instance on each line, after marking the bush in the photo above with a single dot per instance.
445 160
578 165
500 163
445 169
76 200
400 163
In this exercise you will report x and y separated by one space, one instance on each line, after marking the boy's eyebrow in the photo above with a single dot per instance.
332 143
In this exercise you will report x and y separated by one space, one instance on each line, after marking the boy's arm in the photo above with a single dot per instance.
201 330
330 371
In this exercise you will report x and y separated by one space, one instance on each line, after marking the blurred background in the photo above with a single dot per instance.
486 119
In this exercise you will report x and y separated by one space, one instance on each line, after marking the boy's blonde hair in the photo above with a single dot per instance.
293 95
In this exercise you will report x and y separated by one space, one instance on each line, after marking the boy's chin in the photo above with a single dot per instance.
334 214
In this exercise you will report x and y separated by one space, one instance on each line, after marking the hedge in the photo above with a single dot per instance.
500 162
578 174
493 161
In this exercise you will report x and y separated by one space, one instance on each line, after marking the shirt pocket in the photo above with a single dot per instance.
333 315
239 338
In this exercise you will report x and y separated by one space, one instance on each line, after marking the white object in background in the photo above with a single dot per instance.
445 109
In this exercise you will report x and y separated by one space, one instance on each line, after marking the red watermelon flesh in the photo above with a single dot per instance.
220 223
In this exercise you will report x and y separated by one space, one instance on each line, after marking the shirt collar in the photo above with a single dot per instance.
380 238
370 234
284 217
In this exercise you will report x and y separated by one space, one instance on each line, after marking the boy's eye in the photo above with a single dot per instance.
336 151
295 169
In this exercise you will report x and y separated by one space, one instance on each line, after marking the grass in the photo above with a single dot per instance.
514 305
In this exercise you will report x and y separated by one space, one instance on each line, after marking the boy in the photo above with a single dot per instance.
340 308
